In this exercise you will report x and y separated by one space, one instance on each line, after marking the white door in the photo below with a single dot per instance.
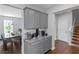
64 26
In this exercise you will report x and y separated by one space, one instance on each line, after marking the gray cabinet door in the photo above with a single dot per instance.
43 20
46 20
29 19
36 19
47 44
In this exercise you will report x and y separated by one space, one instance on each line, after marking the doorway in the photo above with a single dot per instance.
64 27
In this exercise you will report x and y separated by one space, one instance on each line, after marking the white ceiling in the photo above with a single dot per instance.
42 7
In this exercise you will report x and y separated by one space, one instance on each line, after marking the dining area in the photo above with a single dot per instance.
10 35
10 45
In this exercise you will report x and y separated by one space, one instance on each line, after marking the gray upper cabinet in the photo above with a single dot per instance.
34 19
43 20
29 19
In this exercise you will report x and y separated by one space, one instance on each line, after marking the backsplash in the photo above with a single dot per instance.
32 31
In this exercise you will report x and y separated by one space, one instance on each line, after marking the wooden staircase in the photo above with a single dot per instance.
75 39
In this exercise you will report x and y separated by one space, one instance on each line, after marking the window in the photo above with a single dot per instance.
8 28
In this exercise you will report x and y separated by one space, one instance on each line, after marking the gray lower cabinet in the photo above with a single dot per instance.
47 43
32 48
38 47
34 19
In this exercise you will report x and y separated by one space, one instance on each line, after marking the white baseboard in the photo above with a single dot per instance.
70 43
52 48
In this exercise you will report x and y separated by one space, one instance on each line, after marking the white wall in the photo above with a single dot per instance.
18 24
1 26
64 24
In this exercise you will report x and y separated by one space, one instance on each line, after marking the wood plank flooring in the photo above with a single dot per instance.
62 47
16 49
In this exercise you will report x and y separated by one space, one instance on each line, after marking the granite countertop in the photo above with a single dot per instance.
35 39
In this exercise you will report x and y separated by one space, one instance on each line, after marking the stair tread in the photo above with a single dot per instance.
75 35
75 39
75 42
75 45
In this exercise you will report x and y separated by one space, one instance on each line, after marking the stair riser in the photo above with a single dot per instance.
76 28
76 33
75 40
75 37
76 43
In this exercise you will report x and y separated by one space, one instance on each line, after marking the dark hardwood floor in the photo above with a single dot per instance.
15 49
62 47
